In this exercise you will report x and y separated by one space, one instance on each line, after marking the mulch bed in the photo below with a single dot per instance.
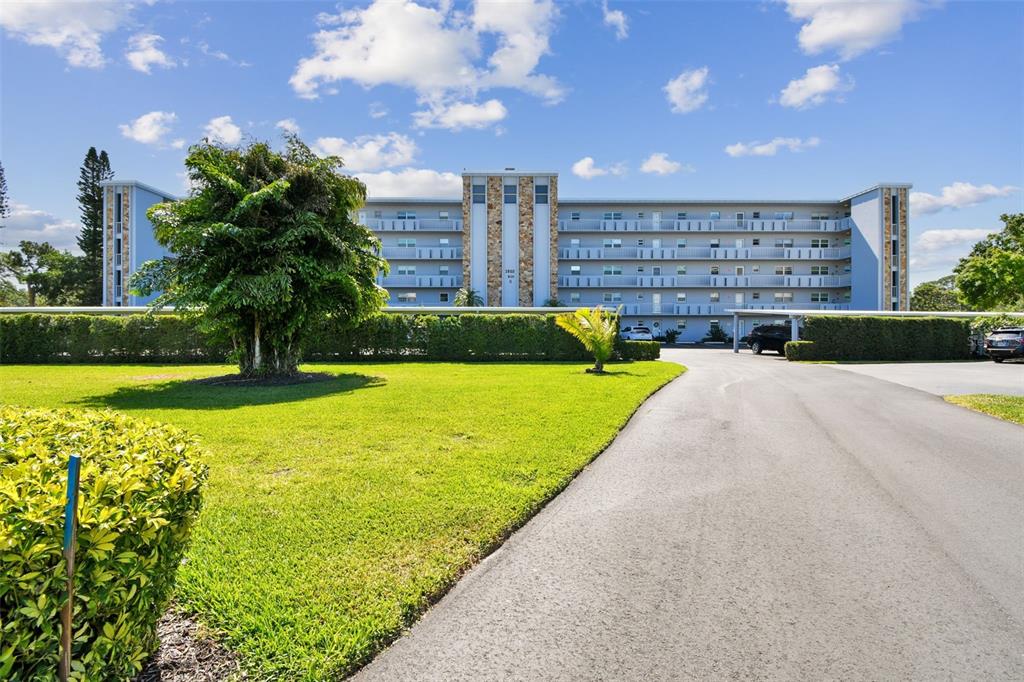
187 654
290 380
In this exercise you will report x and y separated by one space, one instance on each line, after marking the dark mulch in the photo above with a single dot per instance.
186 654
289 380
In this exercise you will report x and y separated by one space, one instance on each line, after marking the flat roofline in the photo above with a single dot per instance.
148 188
413 200
514 171
879 185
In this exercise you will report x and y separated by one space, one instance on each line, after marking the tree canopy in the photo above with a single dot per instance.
264 248
992 276
45 271
940 294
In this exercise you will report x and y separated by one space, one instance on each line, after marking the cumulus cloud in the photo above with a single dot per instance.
144 52
688 91
815 87
851 27
957 195
437 51
459 115
223 130
412 182
30 224
369 152
152 128
288 125
793 144
934 253
74 29
616 19
935 240
658 163
588 169
378 110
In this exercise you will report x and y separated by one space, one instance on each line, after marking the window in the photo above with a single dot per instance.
680 297
613 269
819 269
612 297
613 215
406 269
895 278
118 206
715 297
819 243
819 297
656 270
681 215
640 297
442 270
680 243
895 248
755 242
407 297
755 269
895 209
714 324
443 241
574 242
574 215
574 269
895 305
815 216
714 269
680 324
783 269
739 270
479 194
756 215
783 215
680 269
378 214
783 296
574 297
715 243
756 295
783 243
640 242
405 242
407 215
612 243
443 297
540 194
511 194
639 269
714 215
442 215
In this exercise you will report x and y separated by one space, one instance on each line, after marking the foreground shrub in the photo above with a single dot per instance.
640 350
139 495
882 338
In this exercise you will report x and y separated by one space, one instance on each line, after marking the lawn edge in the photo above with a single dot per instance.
951 399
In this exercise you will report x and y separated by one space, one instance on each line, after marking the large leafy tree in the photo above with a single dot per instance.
263 249
45 271
95 169
940 294
992 276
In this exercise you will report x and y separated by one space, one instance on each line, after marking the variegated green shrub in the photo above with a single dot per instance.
140 494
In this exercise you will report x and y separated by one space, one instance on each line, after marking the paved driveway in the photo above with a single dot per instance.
757 519
948 378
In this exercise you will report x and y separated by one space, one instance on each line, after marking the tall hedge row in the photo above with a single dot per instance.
882 339
42 338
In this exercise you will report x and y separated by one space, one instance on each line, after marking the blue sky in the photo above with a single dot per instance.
645 99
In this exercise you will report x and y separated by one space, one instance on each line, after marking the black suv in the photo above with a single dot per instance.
1005 342
769 337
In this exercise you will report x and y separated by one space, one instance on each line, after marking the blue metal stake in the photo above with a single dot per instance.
70 540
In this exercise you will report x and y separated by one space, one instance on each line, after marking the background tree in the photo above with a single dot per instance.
468 298
5 206
940 294
265 248
44 271
596 329
992 276
95 169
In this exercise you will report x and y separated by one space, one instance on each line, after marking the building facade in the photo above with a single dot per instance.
665 263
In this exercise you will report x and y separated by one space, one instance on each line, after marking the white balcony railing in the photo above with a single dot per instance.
686 309
720 225
704 253
422 281
422 252
716 281
414 225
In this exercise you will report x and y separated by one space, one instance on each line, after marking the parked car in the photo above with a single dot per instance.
636 334
1005 342
769 337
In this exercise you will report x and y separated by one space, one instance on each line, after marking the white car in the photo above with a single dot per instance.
636 334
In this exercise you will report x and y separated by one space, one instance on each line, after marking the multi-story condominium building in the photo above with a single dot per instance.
667 263
128 239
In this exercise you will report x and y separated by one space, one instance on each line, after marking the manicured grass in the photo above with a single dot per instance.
337 512
1008 407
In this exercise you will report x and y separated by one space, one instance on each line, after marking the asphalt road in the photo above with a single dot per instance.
757 519
948 378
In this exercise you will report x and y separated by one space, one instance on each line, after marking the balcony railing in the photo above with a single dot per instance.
704 253
685 309
414 225
726 225
723 281
422 281
422 252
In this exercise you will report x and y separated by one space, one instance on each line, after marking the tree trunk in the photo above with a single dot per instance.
31 296
262 358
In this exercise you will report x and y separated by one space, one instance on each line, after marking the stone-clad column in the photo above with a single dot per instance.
886 249
904 232
108 236
526 240
553 209
494 206
467 238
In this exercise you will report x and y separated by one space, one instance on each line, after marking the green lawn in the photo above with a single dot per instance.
337 512
1008 407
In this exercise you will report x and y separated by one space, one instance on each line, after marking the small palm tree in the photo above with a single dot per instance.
468 298
596 329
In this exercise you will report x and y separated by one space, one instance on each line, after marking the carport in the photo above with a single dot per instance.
796 317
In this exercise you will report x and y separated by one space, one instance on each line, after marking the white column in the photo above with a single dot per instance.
794 328
735 333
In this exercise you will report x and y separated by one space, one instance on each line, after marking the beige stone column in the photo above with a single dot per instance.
904 236
887 249
467 243
494 207
526 240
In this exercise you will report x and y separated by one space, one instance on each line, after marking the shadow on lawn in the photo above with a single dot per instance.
191 395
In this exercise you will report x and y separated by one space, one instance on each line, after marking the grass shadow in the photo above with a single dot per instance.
191 395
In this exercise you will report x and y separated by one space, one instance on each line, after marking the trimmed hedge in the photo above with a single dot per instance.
139 496
41 338
882 339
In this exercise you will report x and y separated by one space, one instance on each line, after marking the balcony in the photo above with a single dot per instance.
422 252
414 225
717 281
686 309
703 253
727 225
422 281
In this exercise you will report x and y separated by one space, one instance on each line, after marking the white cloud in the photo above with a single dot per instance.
74 29
369 152
412 182
659 164
793 144
687 92
144 52
288 125
378 110
957 195
223 130
616 19
815 86
459 115
151 128
851 27
936 240
434 50
936 252
587 169
28 224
